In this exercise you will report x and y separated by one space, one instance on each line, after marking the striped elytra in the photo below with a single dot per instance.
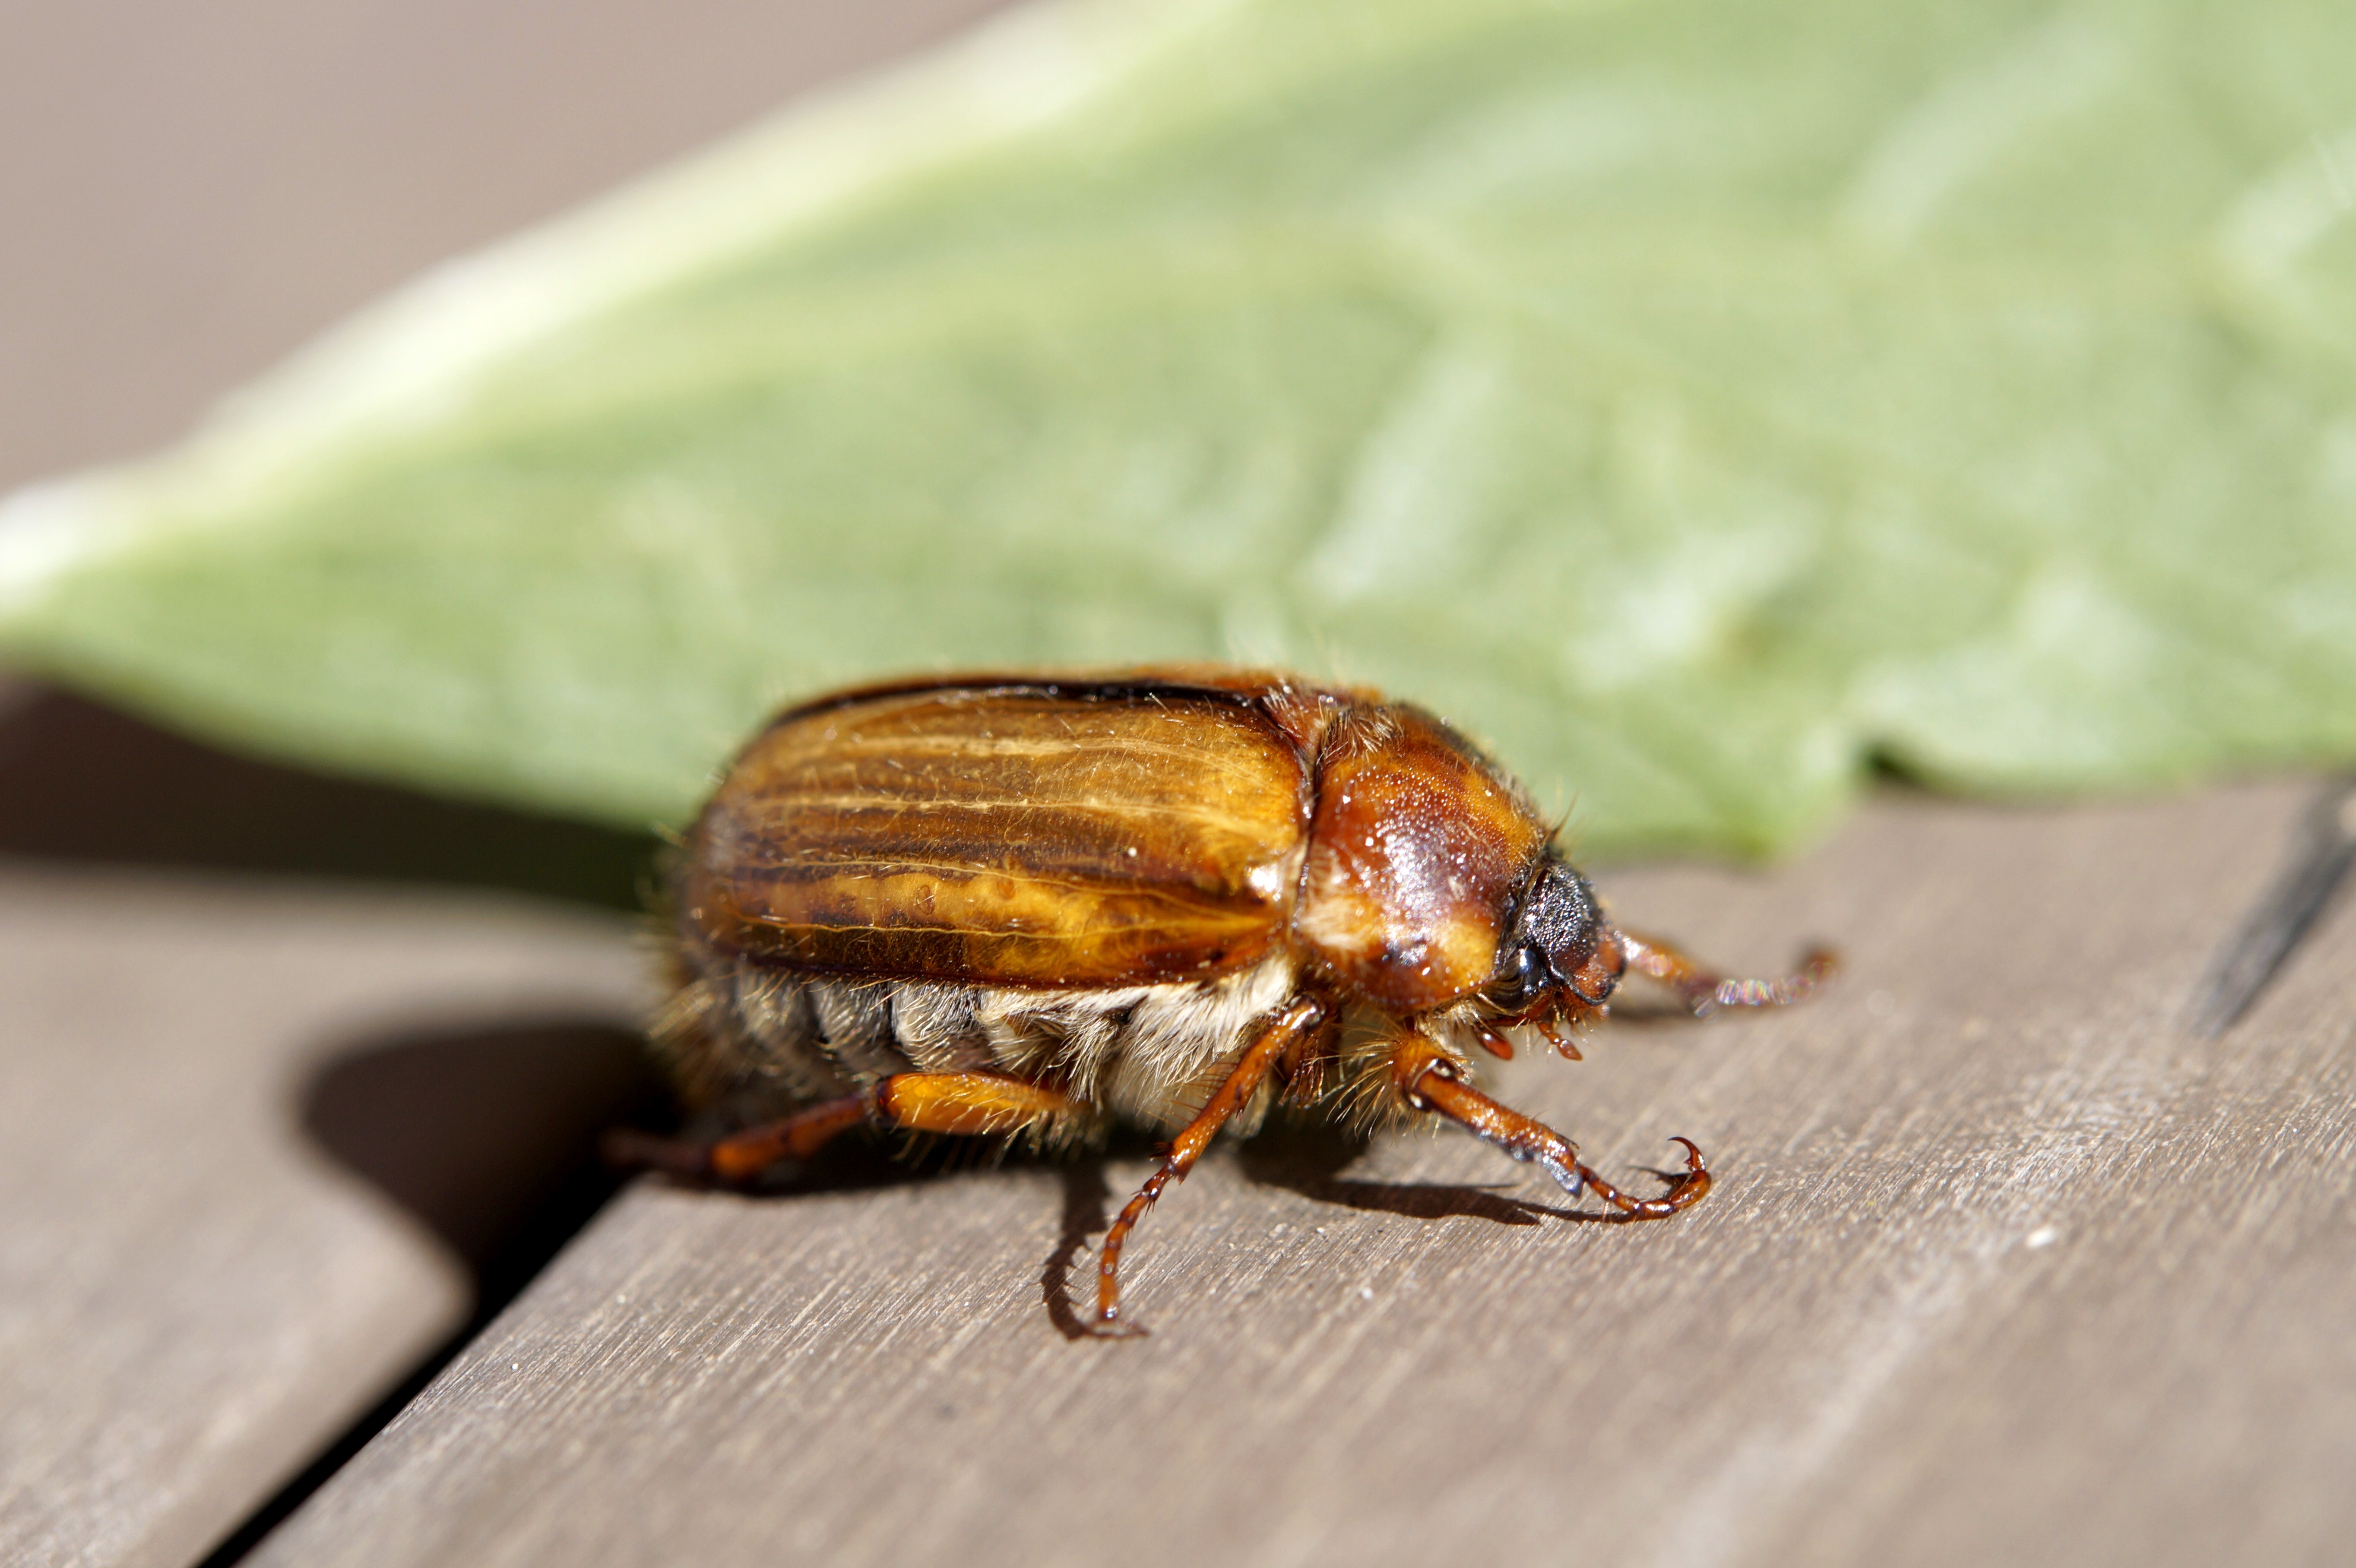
1006 836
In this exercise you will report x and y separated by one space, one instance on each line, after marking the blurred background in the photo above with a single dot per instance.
196 190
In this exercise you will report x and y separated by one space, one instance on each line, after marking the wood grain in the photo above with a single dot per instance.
2002 1266
194 1299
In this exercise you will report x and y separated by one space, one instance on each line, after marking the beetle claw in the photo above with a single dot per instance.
1685 1191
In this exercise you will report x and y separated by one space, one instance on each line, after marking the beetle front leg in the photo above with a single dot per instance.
1298 1018
970 1102
1704 991
1428 1079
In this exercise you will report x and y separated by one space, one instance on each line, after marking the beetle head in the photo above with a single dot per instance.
1560 959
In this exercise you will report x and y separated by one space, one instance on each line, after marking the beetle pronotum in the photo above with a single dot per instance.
1031 904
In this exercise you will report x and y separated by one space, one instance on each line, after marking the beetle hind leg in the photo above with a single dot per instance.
1282 1033
1703 990
968 1102
1427 1080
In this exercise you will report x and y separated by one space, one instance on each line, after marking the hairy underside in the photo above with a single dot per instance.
767 1039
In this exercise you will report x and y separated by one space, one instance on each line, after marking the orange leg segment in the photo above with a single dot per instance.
1298 1018
1429 1080
919 1102
1704 991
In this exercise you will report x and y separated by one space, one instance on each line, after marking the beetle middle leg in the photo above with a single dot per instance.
970 1102
1428 1079
1298 1018
1704 991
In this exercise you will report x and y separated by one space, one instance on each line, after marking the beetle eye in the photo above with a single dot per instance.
1522 977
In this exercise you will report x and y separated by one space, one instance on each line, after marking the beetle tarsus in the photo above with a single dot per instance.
1686 1190
1703 990
1429 1080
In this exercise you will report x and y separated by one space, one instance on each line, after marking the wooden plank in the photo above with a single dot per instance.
194 1296
2001 1267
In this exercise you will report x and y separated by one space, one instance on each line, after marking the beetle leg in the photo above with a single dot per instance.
918 1102
1429 1080
1300 1017
1704 991
1300 1068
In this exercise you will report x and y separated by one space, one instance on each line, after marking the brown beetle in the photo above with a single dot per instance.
991 904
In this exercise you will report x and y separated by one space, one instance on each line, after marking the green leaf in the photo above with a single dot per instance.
1698 402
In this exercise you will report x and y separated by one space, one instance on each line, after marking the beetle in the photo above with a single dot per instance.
1032 904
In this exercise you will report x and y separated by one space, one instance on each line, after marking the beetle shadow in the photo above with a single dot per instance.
1308 1156
1300 1154
483 1134
1087 1199
486 1133
853 1163
488 1136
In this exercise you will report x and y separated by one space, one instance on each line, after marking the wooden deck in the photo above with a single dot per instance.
2002 1267
2004 1264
